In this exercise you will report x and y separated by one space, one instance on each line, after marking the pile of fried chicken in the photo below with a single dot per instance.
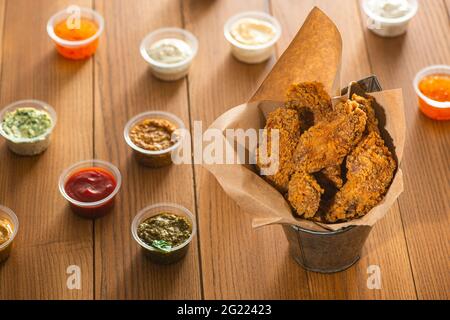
333 164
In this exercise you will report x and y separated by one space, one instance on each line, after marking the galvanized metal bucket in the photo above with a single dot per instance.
331 251
327 251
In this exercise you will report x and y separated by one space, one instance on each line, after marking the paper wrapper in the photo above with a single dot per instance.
314 55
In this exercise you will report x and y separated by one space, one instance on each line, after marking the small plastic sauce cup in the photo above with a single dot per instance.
6 248
155 159
252 54
388 27
176 253
81 49
169 71
433 109
32 146
91 210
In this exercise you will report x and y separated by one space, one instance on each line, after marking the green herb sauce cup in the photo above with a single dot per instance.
164 255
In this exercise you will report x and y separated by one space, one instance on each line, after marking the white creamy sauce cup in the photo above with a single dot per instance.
252 54
169 71
388 27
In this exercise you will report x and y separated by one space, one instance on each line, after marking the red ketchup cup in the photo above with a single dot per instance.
91 187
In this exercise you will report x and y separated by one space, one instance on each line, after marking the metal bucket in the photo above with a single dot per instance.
327 251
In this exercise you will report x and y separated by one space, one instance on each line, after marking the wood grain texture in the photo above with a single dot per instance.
228 260
50 237
237 262
386 245
2 28
424 206
124 89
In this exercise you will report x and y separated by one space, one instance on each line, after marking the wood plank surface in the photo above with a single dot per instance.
424 206
386 245
50 237
2 25
125 88
228 259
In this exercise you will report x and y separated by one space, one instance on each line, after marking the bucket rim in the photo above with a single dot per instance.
322 233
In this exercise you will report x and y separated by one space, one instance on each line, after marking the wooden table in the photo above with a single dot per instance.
95 98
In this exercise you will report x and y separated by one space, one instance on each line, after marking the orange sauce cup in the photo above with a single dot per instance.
76 38
8 216
437 110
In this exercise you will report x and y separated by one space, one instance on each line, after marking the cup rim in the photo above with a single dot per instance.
187 34
31 102
271 19
149 114
141 213
79 43
90 164
443 69
400 20
15 221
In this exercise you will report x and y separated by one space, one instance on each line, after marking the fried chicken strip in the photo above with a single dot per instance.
288 123
334 174
370 171
304 194
328 143
314 104
312 101
367 106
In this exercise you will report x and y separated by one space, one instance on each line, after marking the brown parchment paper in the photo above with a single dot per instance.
314 55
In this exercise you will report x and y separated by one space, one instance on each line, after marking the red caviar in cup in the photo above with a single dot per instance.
437 88
87 29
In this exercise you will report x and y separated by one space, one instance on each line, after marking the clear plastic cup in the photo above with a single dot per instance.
252 54
433 109
91 210
169 71
155 159
25 146
175 254
6 248
76 50
388 27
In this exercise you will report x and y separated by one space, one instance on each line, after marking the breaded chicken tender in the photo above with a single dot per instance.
310 97
314 105
288 123
304 194
367 105
328 143
333 175
371 169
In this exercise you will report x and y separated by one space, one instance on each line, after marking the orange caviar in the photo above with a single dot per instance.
87 29
437 88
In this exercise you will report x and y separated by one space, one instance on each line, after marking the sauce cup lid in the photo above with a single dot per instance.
414 8
428 71
63 14
164 33
89 164
11 216
36 104
170 208
155 115
252 14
